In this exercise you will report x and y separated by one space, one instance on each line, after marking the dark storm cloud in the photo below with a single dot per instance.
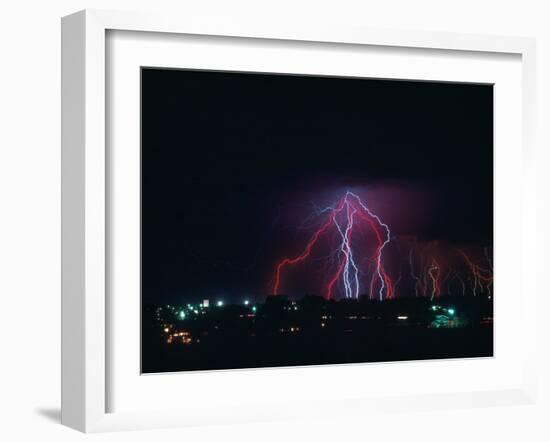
232 162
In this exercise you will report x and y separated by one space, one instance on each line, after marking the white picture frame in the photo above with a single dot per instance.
85 201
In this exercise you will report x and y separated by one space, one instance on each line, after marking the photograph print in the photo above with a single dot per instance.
299 220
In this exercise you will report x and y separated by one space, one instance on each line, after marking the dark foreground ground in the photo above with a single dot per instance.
395 344
313 331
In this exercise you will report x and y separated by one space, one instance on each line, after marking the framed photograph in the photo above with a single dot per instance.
279 222
266 206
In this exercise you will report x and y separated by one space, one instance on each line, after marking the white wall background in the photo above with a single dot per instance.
30 215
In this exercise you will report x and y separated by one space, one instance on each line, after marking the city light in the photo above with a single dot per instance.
405 317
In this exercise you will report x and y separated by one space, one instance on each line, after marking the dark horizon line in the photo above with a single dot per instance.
291 298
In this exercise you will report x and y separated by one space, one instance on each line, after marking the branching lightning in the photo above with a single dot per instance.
356 262
342 218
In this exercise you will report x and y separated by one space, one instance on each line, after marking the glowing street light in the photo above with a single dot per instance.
246 302
182 314
451 311
219 303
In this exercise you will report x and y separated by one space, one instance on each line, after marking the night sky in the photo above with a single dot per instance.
234 165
